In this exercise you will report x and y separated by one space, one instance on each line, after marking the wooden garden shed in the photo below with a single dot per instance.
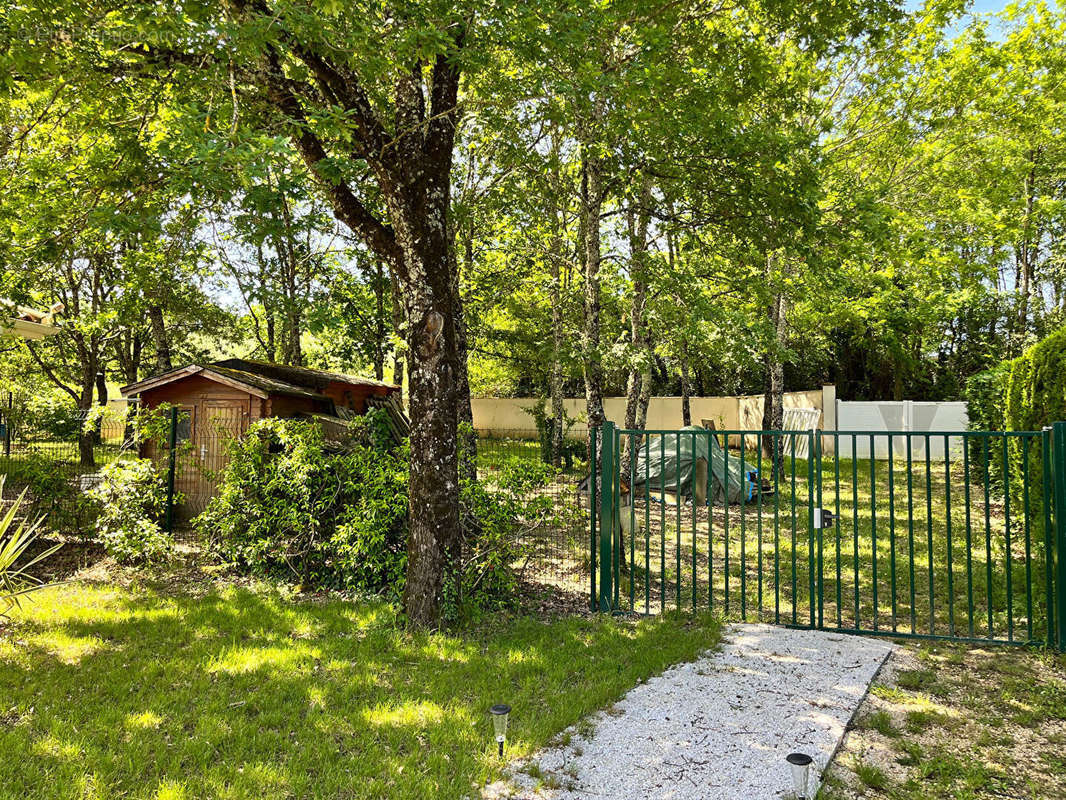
219 400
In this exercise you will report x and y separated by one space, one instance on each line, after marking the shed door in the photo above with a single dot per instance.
217 423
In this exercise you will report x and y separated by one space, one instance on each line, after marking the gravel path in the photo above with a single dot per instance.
718 727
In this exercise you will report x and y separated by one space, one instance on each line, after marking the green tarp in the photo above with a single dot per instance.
667 463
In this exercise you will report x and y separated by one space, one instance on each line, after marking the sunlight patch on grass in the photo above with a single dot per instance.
418 714
242 660
65 647
144 720
52 747
172 790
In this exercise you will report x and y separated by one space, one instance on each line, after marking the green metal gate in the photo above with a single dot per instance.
913 534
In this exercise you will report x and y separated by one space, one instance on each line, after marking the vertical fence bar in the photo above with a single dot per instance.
618 546
662 523
814 460
811 565
969 534
647 524
1047 488
873 519
677 506
855 521
947 512
1026 443
1059 470
172 455
929 532
776 467
892 525
792 454
758 505
594 479
710 522
632 451
692 495
743 532
1008 564
725 526
988 532
836 508
606 516
910 530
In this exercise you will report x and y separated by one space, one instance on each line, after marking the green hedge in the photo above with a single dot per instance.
1027 393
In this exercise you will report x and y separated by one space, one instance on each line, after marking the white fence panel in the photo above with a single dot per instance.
902 415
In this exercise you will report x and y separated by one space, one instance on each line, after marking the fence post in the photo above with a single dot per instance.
7 425
607 515
1058 471
171 453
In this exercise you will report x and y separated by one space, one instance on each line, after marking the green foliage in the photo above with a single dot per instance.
132 499
288 506
985 393
16 536
545 428
51 490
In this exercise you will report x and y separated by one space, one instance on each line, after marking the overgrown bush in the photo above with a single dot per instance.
985 398
132 499
1024 394
286 505
52 491
290 505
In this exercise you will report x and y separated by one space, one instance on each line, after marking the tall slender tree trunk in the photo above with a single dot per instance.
686 389
774 397
638 218
160 338
592 209
399 327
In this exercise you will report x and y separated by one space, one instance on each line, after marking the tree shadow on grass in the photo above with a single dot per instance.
243 694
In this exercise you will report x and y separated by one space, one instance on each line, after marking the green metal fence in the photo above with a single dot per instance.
900 533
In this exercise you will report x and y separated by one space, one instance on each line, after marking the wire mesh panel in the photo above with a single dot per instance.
552 493
56 455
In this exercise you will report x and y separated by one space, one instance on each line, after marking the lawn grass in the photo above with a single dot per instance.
143 693
954 721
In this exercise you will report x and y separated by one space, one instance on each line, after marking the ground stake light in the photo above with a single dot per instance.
801 766
499 713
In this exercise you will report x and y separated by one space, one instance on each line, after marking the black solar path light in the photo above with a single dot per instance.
500 712
801 767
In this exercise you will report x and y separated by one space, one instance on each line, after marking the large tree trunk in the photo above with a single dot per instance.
433 352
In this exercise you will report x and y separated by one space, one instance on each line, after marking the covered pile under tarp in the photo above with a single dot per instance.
668 463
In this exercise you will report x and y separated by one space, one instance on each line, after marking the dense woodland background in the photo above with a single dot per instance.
887 217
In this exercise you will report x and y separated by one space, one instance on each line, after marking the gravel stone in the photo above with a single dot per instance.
717 727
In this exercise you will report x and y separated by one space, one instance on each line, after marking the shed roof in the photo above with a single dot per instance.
258 378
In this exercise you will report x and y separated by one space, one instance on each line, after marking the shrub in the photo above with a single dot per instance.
289 505
286 505
52 491
985 396
132 499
